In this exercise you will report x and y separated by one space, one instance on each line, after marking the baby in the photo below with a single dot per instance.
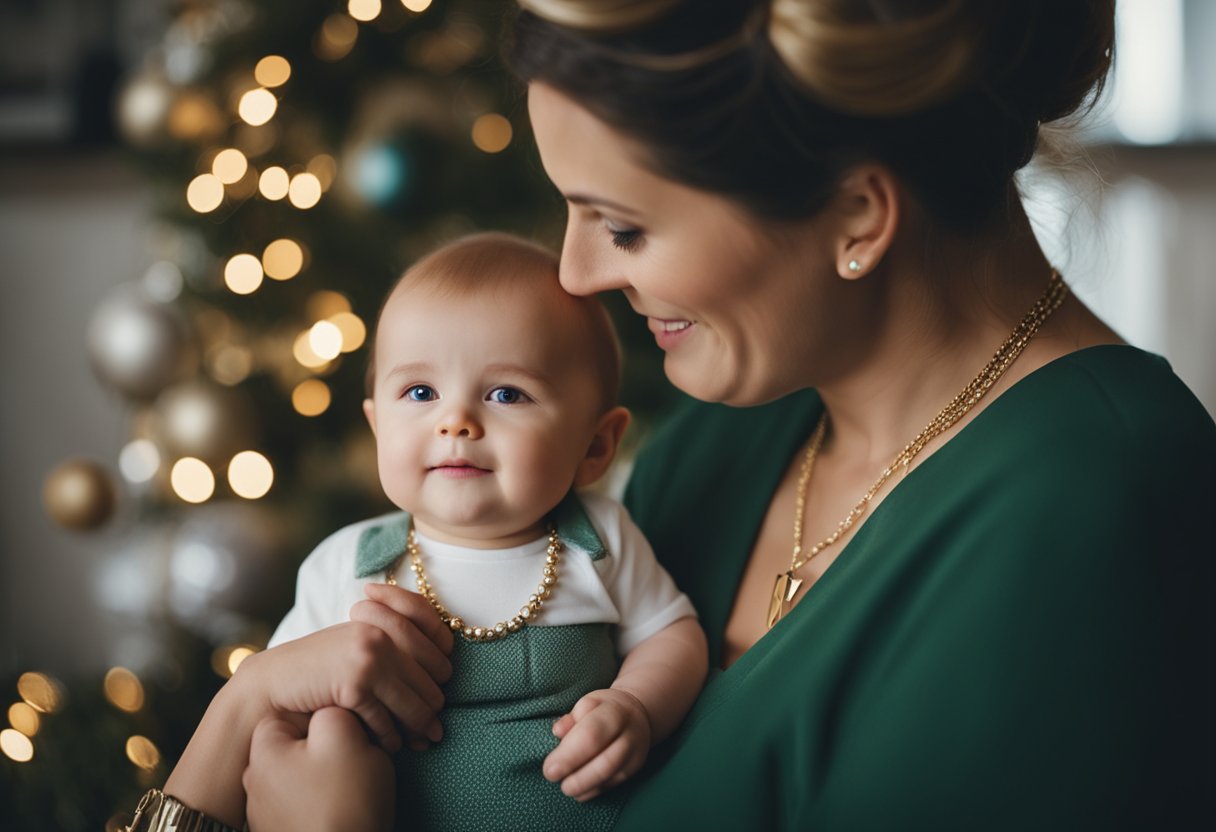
493 398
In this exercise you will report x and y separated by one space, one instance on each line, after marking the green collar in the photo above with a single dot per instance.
382 544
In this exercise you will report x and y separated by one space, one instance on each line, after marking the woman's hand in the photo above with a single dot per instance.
317 774
604 741
385 665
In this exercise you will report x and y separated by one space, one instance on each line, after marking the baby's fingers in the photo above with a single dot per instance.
612 766
563 726
584 739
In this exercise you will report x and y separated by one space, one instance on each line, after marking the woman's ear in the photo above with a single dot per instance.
369 410
867 203
603 447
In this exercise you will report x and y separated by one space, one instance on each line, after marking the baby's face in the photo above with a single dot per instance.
484 406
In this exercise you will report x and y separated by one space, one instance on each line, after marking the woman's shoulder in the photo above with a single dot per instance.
1136 389
1113 401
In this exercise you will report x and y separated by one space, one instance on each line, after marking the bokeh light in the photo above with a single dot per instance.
243 274
229 165
303 352
416 5
205 193
336 38
163 281
40 692
16 745
192 480
238 655
325 168
124 690
24 718
257 106
272 71
311 397
353 330
274 183
283 259
304 190
491 132
250 475
325 304
363 10
139 460
230 364
194 116
325 339
226 659
143 752
381 173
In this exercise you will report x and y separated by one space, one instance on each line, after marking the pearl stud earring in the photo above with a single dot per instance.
854 266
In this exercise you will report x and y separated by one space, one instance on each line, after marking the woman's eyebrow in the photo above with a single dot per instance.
586 199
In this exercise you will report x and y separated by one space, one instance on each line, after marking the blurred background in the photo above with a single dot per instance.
201 204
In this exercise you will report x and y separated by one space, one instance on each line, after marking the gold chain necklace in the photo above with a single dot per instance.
526 613
787 583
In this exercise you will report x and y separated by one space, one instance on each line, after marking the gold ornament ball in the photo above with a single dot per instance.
79 495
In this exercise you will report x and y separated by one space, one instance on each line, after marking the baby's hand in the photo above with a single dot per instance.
604 741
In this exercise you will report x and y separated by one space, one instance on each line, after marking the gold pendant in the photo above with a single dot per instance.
784 590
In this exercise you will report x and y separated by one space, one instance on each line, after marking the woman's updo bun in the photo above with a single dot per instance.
770 102
603 16
876 66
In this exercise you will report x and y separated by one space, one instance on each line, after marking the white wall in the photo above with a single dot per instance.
71 228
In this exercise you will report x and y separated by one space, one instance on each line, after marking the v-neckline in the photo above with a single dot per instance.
811 411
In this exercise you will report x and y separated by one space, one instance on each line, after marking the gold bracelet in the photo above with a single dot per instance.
159 812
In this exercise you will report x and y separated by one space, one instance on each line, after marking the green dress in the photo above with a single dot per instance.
1021 635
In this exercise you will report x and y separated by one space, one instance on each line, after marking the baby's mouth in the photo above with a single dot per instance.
459 469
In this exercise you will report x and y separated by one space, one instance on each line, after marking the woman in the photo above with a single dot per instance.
950 538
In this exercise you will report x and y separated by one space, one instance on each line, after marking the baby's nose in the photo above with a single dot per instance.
458 422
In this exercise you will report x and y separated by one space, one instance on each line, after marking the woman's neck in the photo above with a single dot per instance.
940 323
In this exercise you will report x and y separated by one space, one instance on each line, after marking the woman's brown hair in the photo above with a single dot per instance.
768 103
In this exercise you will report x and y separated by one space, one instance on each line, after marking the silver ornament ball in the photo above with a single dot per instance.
137 345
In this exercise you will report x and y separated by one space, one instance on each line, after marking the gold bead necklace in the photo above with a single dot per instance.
527 612
787 583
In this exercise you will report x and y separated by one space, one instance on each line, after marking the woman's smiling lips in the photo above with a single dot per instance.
668 331
458 469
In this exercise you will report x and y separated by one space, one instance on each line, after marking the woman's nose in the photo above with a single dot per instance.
459 422
581 272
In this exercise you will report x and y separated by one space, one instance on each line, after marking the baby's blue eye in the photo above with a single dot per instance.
420 393
507 395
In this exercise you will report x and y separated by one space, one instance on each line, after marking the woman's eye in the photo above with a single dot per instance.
507 395
420 393
626 239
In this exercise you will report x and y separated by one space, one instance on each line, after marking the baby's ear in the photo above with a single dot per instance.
369 410
603 447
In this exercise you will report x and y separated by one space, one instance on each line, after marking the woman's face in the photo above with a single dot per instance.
740 310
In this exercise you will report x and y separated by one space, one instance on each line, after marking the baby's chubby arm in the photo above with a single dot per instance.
605 738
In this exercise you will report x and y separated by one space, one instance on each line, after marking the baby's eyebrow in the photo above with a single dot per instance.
515 369
408 368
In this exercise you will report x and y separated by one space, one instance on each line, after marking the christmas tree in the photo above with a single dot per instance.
302 154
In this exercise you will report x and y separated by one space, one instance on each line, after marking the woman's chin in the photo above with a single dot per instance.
721 383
